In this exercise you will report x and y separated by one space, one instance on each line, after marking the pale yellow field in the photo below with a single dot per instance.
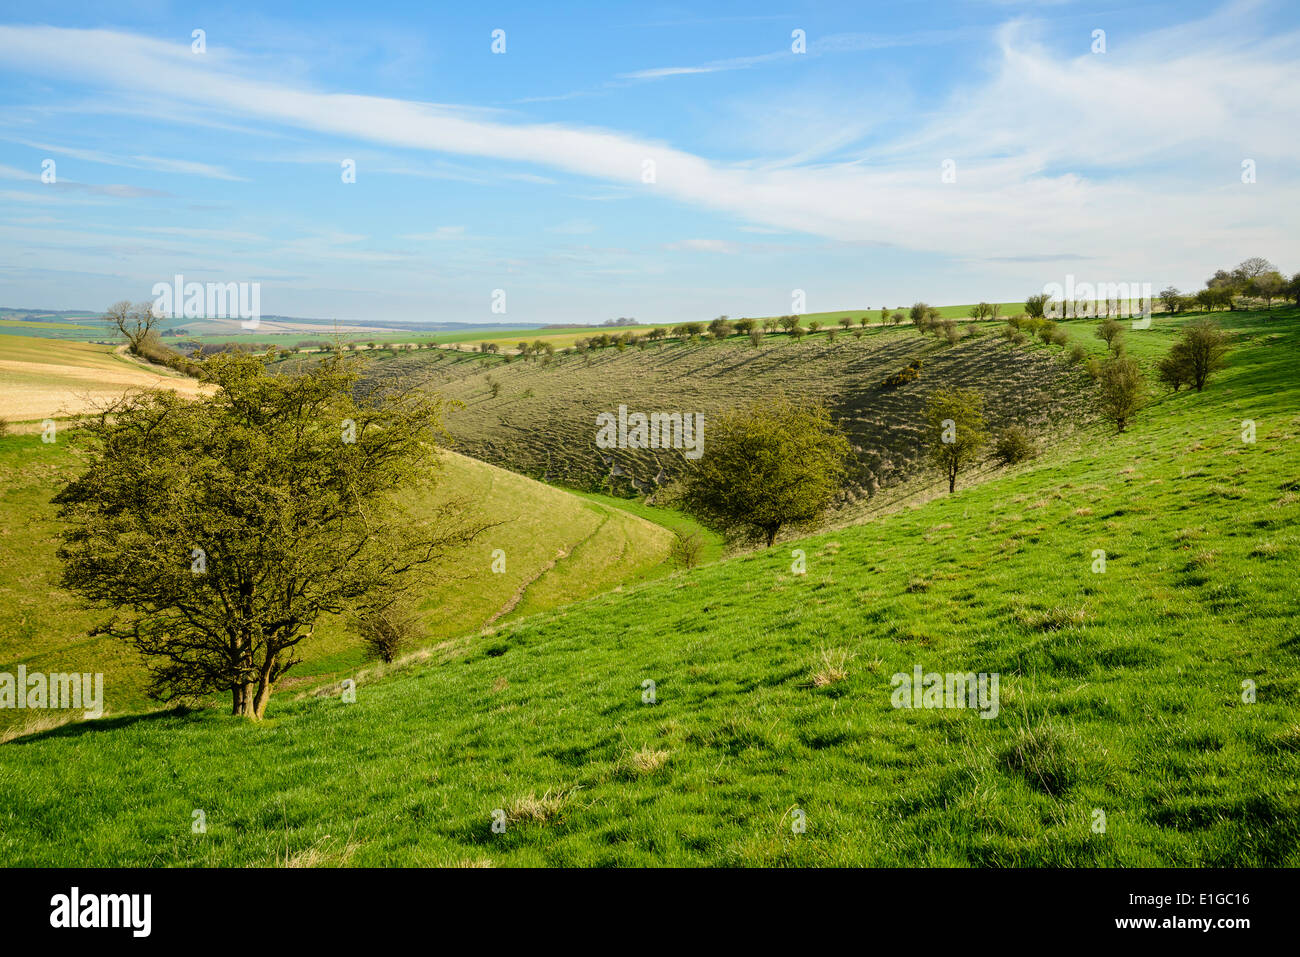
50 378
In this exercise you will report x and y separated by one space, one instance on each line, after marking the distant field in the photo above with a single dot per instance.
558 548
53 378
37 324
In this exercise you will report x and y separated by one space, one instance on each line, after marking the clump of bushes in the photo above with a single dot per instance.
385 632
910 373
1014 444
1194 357
686 549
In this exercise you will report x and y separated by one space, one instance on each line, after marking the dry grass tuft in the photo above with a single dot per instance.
539 810
832 666
647 760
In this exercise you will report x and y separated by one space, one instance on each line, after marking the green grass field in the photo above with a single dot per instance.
20 325
1122 692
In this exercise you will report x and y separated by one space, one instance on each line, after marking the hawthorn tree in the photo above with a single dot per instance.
1035 305
218 531
773 464
955 431
1196 355
135 322
1109 331
1120 390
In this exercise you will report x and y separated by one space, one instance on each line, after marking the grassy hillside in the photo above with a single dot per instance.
1121 692
558 548
542 422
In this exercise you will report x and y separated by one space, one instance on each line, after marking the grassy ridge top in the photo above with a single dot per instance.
1121 692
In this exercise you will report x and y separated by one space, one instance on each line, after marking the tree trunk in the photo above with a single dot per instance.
242 700
259 701
771 534
952 482
260 694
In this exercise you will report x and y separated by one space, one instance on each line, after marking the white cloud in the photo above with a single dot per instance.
1124 159
438 235
702 246
156 164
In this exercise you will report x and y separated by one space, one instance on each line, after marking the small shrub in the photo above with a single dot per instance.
1109 332
1077 354
832 666
910 373
1013 445
1120 390
386 632
685 549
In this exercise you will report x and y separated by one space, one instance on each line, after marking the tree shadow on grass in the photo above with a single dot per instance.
75 729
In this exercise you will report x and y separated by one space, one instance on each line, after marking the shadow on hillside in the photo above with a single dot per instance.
76 729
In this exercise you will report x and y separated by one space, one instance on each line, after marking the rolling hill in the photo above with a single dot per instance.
57 378
557 548
542 421
744 714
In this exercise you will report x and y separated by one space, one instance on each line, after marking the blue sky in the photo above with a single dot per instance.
774 170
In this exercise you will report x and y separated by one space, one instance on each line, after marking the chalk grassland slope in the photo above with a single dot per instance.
558 548
47 378
543 420
1120 693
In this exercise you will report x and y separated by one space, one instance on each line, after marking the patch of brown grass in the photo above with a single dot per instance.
647 760
832 666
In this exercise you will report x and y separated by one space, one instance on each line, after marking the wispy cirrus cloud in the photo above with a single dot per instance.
814 46
156 164
1090 154
703 246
